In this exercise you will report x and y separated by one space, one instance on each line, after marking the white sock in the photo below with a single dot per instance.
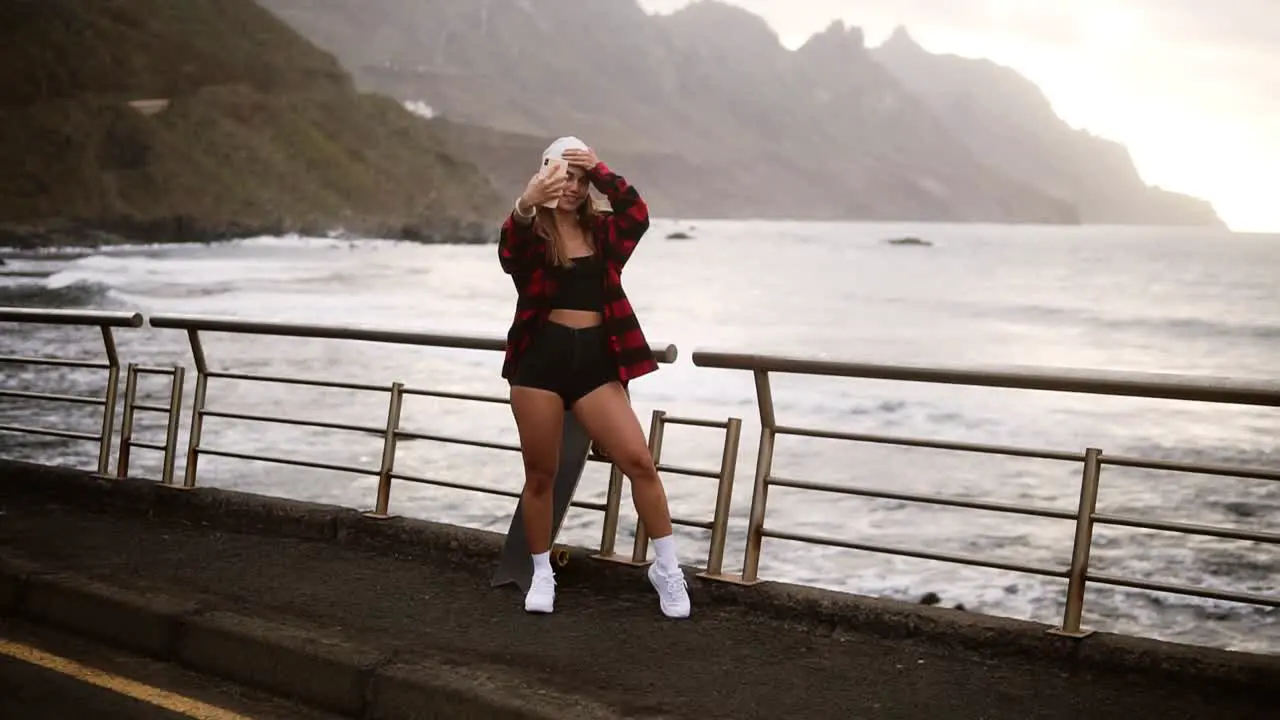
542 563
665 549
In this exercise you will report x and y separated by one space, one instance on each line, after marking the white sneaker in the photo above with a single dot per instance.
673 591
541 597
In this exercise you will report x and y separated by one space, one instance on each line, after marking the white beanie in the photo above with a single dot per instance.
557 148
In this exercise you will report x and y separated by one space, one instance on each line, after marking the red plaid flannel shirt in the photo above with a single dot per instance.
523 255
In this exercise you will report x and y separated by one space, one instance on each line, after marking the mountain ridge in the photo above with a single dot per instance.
716 117
1008 119
680 94
158 121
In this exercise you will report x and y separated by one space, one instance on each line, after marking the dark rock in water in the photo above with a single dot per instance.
932 598
909 240
679 235
1245 509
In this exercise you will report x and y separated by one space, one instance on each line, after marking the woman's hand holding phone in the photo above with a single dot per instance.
545 187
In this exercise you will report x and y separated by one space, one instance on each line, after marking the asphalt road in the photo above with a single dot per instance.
46 675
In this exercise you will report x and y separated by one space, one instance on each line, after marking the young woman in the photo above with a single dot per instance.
574 345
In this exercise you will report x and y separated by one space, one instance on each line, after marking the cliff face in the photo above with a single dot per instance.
712 114
716 118
254 129
1006 120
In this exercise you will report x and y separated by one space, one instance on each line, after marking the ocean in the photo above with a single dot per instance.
1191 301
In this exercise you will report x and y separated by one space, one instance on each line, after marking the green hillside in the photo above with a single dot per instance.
261 131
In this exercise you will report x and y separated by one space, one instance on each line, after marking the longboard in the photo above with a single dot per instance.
516 565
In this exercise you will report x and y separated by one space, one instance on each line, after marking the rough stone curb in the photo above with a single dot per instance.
814 608
316 667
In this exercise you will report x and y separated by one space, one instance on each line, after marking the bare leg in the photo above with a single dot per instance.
607 416
539 418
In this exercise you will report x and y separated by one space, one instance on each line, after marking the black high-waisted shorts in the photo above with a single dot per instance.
570 362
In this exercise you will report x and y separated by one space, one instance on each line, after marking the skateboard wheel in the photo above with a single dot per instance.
561 556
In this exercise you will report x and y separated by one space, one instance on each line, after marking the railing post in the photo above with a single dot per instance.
760 490
640 550
388 452
126 421
171 427
197 410
109 402
612 509
1079 572
724 498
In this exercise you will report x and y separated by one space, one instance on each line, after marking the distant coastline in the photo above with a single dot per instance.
178 230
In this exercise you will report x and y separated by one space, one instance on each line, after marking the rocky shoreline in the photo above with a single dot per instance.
68 233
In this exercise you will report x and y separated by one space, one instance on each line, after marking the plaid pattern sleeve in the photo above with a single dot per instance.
518 247
523 256
630 217
617 234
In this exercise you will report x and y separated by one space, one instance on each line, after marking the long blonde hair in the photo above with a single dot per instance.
545 225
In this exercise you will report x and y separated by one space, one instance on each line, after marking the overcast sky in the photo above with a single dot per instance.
1191 87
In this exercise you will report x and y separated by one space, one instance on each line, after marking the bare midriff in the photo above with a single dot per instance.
576 318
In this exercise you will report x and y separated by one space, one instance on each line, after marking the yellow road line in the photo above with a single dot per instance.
115 683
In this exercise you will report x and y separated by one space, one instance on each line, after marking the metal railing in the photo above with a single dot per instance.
718 525
392 433
1086 516
131 406
105 322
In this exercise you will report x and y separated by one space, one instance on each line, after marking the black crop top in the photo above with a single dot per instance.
580 286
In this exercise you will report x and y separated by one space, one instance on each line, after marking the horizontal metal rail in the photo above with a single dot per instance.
695 422
495 399
53 362
932 444
488 444
662 353
295 422
336 467
288 380
154 370
71 399
696 524
47 432
1175 589
41 316
1196 468
151 408
921 554
691 472
1187 528
1130 384
775 481
500 492
1159 386
106 322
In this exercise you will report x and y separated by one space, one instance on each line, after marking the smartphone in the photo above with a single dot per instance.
554 167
